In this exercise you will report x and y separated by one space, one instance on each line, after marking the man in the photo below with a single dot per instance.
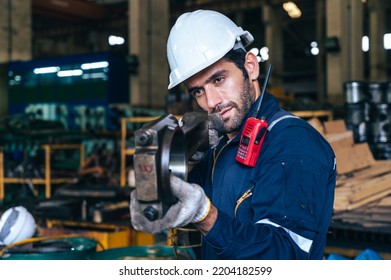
280 208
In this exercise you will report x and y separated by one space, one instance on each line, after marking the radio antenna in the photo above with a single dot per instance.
269 70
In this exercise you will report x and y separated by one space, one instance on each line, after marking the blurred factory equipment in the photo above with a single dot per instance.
50 248
144 252
75 90
368 115
356 109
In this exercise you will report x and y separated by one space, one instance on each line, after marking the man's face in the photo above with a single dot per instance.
222 89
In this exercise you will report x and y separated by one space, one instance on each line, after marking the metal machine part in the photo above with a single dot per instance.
163 147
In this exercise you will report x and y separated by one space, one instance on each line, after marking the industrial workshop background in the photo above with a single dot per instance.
79 77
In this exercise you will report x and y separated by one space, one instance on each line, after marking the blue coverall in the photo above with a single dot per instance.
279 209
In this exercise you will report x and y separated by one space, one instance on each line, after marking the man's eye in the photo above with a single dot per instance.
218 80
196 92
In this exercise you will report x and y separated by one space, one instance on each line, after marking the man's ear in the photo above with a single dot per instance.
252 66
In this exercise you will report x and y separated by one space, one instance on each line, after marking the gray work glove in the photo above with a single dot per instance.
216 125
193 206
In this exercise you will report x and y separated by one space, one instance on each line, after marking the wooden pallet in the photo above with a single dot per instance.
363 187
361 179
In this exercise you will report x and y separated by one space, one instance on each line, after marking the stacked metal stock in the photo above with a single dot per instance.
368 115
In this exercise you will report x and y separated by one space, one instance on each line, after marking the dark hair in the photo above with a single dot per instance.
238 57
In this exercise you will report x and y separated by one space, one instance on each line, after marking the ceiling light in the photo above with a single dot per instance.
116 40
70 73
94 65
365 43
387 41
292 9
264 52
46 70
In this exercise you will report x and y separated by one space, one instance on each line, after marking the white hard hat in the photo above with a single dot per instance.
16 224
199 39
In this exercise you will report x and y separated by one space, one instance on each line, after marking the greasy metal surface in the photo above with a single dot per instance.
153 152
163 147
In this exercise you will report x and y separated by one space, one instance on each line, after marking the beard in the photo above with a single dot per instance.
247 97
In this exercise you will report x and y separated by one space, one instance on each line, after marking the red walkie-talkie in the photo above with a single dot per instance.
254 133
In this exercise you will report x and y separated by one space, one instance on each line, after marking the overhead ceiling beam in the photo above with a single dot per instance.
120 25
70 9
224 6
